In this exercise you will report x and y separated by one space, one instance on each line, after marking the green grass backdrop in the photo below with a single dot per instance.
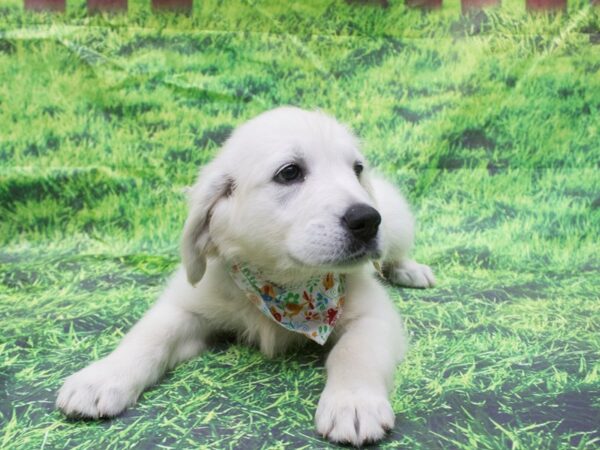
490 125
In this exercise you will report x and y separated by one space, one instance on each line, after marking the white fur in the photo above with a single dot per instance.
290 233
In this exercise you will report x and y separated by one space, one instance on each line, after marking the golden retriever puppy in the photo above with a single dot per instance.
284 227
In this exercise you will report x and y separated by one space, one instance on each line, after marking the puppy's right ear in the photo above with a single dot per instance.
212 185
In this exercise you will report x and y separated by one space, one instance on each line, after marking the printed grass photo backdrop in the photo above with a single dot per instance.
489 124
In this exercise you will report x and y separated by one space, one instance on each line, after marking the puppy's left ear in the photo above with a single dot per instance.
212 186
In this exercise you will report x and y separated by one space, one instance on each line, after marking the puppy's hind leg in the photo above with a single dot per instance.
165 336
397 230
409 273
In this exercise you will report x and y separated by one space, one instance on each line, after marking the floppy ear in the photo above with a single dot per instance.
211 186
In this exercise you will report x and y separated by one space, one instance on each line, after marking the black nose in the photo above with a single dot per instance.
362 221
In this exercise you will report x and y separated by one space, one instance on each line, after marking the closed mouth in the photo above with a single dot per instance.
350 255
347 260
356 257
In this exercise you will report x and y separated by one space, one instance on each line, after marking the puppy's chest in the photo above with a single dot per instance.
237 313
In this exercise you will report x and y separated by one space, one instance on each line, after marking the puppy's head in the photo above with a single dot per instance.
289 191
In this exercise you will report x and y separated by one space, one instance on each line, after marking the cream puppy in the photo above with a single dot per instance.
289 197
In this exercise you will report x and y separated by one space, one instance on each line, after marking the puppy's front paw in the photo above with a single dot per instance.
410 273
353 417
100 390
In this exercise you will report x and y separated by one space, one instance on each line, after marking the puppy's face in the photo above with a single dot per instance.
294 195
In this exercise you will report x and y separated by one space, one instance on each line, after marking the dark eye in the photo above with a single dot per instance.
358 168
289 174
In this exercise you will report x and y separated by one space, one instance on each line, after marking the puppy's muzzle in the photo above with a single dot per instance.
362 221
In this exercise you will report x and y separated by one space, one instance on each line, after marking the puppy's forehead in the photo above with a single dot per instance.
292 133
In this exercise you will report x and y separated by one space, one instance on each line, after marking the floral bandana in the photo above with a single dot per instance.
311 309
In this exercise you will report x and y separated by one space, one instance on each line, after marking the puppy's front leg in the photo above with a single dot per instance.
354 406
166 335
